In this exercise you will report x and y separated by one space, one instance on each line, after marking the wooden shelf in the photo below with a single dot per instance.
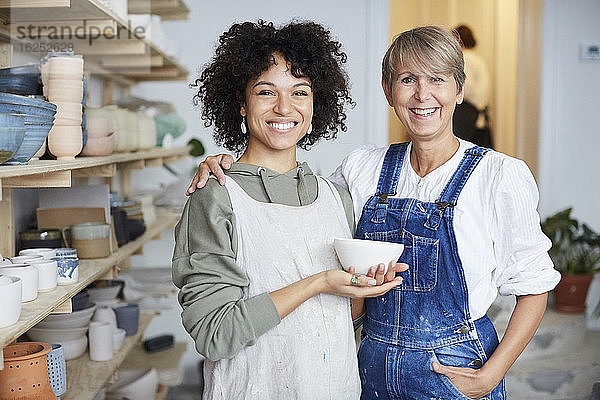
169 10
86 377
161 360
47 167
89 271
18 15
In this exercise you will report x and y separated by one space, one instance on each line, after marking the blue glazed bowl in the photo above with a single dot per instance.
37 101
21 70
11 138
11 119
35 135
21 84
37 119
26 109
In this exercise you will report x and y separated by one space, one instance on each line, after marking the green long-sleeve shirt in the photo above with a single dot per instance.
211 283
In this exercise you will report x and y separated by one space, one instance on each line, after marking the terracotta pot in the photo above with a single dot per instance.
570 293
25 373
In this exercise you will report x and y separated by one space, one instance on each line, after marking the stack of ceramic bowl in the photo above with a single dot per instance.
100 140
12 132
64 87
24 80
67 332
75 324
38 118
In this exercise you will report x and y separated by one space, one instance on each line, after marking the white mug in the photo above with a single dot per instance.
101 341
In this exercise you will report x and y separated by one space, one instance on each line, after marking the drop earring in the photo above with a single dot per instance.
309 131
243 125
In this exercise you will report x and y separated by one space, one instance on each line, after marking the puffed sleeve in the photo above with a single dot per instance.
521 248
211 284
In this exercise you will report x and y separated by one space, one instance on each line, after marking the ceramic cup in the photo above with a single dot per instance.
68 270
128 318
106 314
91 239
101 341
48 274
46 252
66 252
25 259
29 277
11 293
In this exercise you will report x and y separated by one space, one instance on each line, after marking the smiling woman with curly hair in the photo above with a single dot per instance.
262 292
246 50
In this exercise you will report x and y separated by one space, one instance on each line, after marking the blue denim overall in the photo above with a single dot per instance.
426 318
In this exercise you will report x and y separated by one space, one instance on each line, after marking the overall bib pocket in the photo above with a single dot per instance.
421 255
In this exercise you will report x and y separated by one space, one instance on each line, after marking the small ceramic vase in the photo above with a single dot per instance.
101 341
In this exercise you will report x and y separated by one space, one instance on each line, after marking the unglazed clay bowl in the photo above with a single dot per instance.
65 142
66 68
99 146
65 90
363 254
68 113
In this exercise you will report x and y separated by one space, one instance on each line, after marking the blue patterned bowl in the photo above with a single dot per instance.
11 138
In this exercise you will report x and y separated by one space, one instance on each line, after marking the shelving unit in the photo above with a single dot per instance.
89 271
124 61
18 15
169 10
86 377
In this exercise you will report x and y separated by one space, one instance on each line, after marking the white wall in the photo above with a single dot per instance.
360 25
569 123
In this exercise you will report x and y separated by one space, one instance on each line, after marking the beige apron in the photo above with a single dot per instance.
311 354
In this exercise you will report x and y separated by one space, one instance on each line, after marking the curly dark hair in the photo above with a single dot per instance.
246 50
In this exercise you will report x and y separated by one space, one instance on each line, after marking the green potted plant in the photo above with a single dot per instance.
576 254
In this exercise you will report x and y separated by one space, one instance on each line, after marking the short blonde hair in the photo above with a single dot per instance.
430 49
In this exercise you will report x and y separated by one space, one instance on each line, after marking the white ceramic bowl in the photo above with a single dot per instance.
10 299
42 251
48 273
76 319
24 259
135 385
104 294
55 335
363 254
74 348
29 278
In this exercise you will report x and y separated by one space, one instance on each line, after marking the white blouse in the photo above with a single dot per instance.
497 227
